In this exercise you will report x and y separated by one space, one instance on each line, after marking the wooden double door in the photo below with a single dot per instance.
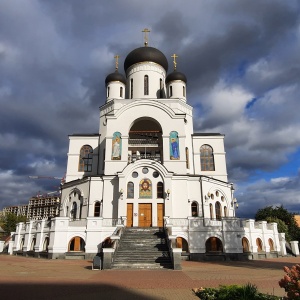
145 214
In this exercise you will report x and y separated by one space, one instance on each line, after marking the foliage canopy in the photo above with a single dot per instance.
9 221
288 224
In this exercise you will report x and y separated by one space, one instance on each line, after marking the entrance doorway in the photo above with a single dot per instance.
145 215
129 214
160 214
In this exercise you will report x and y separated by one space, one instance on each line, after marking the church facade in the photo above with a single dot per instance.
146 167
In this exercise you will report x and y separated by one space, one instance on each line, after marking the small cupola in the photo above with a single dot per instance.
176 82
115 84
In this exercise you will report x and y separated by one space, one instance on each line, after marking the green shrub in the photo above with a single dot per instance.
233 292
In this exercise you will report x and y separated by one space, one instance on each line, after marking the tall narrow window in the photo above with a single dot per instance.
271 244
207 158
171 91
183 91
74 211
130 190
46 244
218 210
32 244
225 211
97 209
245 243
194 209
160 190
187 157
211 211
107 92
85 159
160 88
259 245
121 92
146 85
131 88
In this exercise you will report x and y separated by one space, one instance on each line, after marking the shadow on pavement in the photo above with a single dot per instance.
251 264
67 291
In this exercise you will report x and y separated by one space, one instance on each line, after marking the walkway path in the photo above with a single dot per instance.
30 278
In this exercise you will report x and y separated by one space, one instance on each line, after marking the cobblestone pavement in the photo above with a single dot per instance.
31 278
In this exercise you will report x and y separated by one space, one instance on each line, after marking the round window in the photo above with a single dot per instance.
155 174
145 170
135 174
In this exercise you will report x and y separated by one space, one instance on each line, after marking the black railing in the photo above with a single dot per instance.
135 157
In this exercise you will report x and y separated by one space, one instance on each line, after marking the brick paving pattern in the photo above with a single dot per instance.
30 278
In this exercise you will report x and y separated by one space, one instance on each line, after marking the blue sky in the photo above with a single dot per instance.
241 59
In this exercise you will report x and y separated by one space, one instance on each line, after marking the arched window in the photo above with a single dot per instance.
85 159
171 91
97 209
218 210
213 244
194 208
271 244
207 158
121 91
211 211
131 88
22 244
187 157
259 245
130 190
245 244
46 244
182 243
225 211
77 244
183 91
146 85
160 190
74 211
32 244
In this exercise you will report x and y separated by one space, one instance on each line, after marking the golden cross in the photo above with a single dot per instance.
174 60
117 61
146 30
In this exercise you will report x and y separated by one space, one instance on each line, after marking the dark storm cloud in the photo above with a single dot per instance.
55 55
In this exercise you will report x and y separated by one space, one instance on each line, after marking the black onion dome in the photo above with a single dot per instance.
175 75
116 76
144 54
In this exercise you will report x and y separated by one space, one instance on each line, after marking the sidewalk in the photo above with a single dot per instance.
30 278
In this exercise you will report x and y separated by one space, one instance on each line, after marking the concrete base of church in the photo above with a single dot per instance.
218 256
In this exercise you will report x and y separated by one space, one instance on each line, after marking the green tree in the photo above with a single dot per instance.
271 214
9 221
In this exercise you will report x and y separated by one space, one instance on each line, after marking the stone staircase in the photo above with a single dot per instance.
142 248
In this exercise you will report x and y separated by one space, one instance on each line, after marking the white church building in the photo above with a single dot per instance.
146 167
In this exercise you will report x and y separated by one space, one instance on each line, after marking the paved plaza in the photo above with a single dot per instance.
31 278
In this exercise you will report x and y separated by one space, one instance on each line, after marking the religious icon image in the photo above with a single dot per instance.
116 146
145 188
174 145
